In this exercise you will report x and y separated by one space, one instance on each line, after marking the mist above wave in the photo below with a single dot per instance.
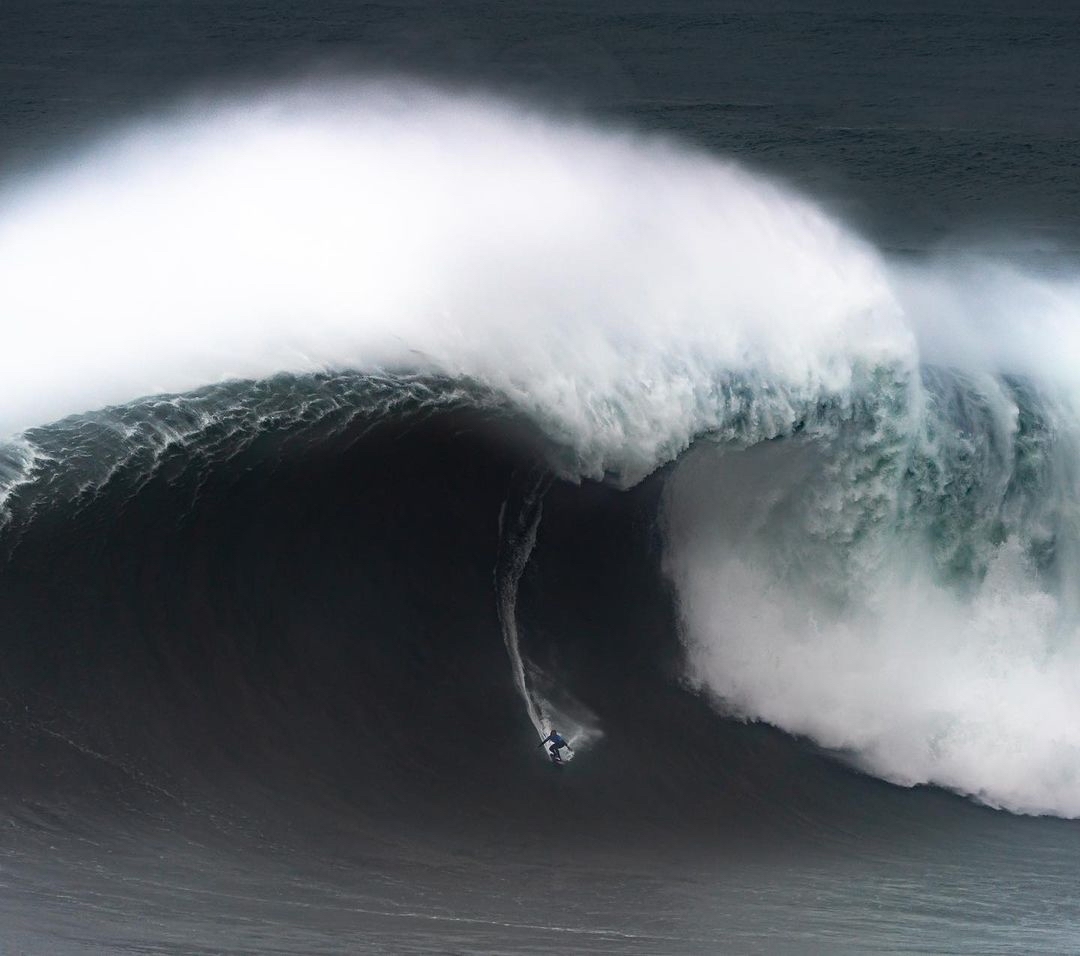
610 285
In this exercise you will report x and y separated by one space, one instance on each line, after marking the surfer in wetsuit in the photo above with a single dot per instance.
556 742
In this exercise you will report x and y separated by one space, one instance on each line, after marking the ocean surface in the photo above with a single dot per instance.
384 385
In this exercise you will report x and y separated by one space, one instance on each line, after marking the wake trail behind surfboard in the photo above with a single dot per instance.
519 523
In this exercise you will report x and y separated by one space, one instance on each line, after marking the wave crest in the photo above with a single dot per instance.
607 284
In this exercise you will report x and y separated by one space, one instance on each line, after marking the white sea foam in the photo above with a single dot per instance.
905 596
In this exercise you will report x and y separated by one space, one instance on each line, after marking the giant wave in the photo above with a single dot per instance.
870 515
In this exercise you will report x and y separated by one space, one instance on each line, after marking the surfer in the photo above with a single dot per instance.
556 742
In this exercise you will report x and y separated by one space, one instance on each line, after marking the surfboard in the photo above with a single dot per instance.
564 756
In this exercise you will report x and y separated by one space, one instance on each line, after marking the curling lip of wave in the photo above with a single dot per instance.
609 285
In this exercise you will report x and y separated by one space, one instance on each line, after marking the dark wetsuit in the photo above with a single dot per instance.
556 742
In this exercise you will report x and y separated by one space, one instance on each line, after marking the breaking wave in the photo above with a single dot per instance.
871 510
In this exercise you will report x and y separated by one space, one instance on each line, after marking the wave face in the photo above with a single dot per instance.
869 512
285 607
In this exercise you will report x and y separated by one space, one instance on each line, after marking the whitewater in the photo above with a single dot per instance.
871 512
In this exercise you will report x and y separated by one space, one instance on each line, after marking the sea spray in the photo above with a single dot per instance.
612 286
